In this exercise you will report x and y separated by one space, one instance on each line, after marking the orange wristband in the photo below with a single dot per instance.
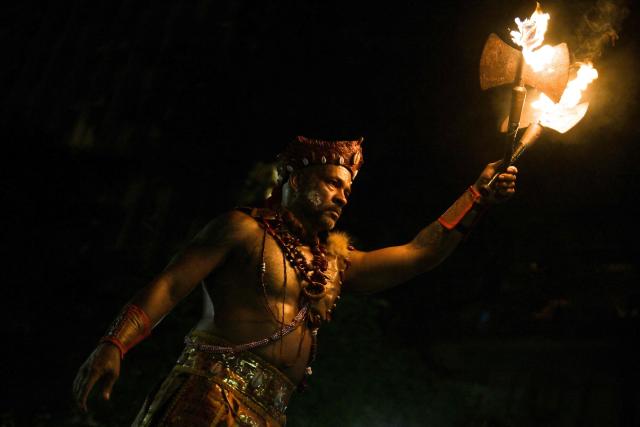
451 218
130 327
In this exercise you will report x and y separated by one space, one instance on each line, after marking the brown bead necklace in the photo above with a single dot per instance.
285 230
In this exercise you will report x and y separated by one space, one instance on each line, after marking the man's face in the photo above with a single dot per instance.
323 192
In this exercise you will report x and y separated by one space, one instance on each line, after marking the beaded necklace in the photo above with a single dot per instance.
285 230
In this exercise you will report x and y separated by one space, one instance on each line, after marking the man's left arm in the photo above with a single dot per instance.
384 268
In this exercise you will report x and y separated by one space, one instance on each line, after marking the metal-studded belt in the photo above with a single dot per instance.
255 379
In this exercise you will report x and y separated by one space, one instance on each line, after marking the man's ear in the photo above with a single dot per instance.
294 181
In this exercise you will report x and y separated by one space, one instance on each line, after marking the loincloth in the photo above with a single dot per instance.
205 389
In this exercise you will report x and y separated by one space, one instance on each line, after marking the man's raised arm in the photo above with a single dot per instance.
205 253
384 268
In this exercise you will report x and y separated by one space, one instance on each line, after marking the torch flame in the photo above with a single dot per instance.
566 113
530 34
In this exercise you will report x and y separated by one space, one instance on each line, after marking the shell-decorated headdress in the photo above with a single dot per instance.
303 152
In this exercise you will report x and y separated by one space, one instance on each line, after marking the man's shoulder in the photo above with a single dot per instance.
229 227
257 213
237 220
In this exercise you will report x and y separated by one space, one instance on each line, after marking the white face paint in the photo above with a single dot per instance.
314 198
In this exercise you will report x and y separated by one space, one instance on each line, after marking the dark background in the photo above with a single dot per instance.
128 125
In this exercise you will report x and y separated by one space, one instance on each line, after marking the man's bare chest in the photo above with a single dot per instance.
281 279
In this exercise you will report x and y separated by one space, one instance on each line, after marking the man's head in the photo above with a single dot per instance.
317 177
317 195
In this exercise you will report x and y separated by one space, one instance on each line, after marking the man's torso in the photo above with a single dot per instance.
251 305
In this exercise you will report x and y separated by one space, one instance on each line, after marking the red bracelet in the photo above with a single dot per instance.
460 208
130 327
477 197
115 342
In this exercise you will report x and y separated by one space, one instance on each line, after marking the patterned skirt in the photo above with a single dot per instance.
210 390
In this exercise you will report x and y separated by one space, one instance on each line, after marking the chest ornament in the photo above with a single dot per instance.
313 275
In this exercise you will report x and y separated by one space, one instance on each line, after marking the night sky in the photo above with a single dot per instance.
129 125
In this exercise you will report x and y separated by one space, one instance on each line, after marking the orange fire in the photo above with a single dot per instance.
563 115
569 111
530 36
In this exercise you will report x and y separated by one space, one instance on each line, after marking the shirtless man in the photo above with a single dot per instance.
276 274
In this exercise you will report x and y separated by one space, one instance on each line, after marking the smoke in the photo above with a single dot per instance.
612 97
599 28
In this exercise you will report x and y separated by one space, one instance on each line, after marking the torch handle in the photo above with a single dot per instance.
530 136
518 96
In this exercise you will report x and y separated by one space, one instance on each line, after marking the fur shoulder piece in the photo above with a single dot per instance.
339 245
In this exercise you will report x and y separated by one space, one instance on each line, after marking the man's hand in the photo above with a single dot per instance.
503 187
102 365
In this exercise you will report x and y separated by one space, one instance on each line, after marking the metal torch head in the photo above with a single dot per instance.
499 64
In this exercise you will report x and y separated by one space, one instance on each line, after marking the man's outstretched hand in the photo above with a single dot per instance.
503 187
103 366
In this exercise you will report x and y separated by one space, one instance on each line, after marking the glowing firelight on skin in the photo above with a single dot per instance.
568 111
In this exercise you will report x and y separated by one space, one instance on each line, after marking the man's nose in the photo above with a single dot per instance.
340 199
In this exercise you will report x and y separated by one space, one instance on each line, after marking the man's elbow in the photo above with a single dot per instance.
166 290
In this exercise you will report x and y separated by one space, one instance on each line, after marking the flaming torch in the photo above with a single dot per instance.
545 68
560 116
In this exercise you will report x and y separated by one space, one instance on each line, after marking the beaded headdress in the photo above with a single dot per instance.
303 152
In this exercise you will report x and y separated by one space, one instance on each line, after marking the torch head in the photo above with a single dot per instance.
499 65
561 121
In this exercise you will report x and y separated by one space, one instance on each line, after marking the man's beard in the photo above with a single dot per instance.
319 213
313 197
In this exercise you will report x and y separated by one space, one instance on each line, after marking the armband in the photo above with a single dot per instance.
453 216
130 327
